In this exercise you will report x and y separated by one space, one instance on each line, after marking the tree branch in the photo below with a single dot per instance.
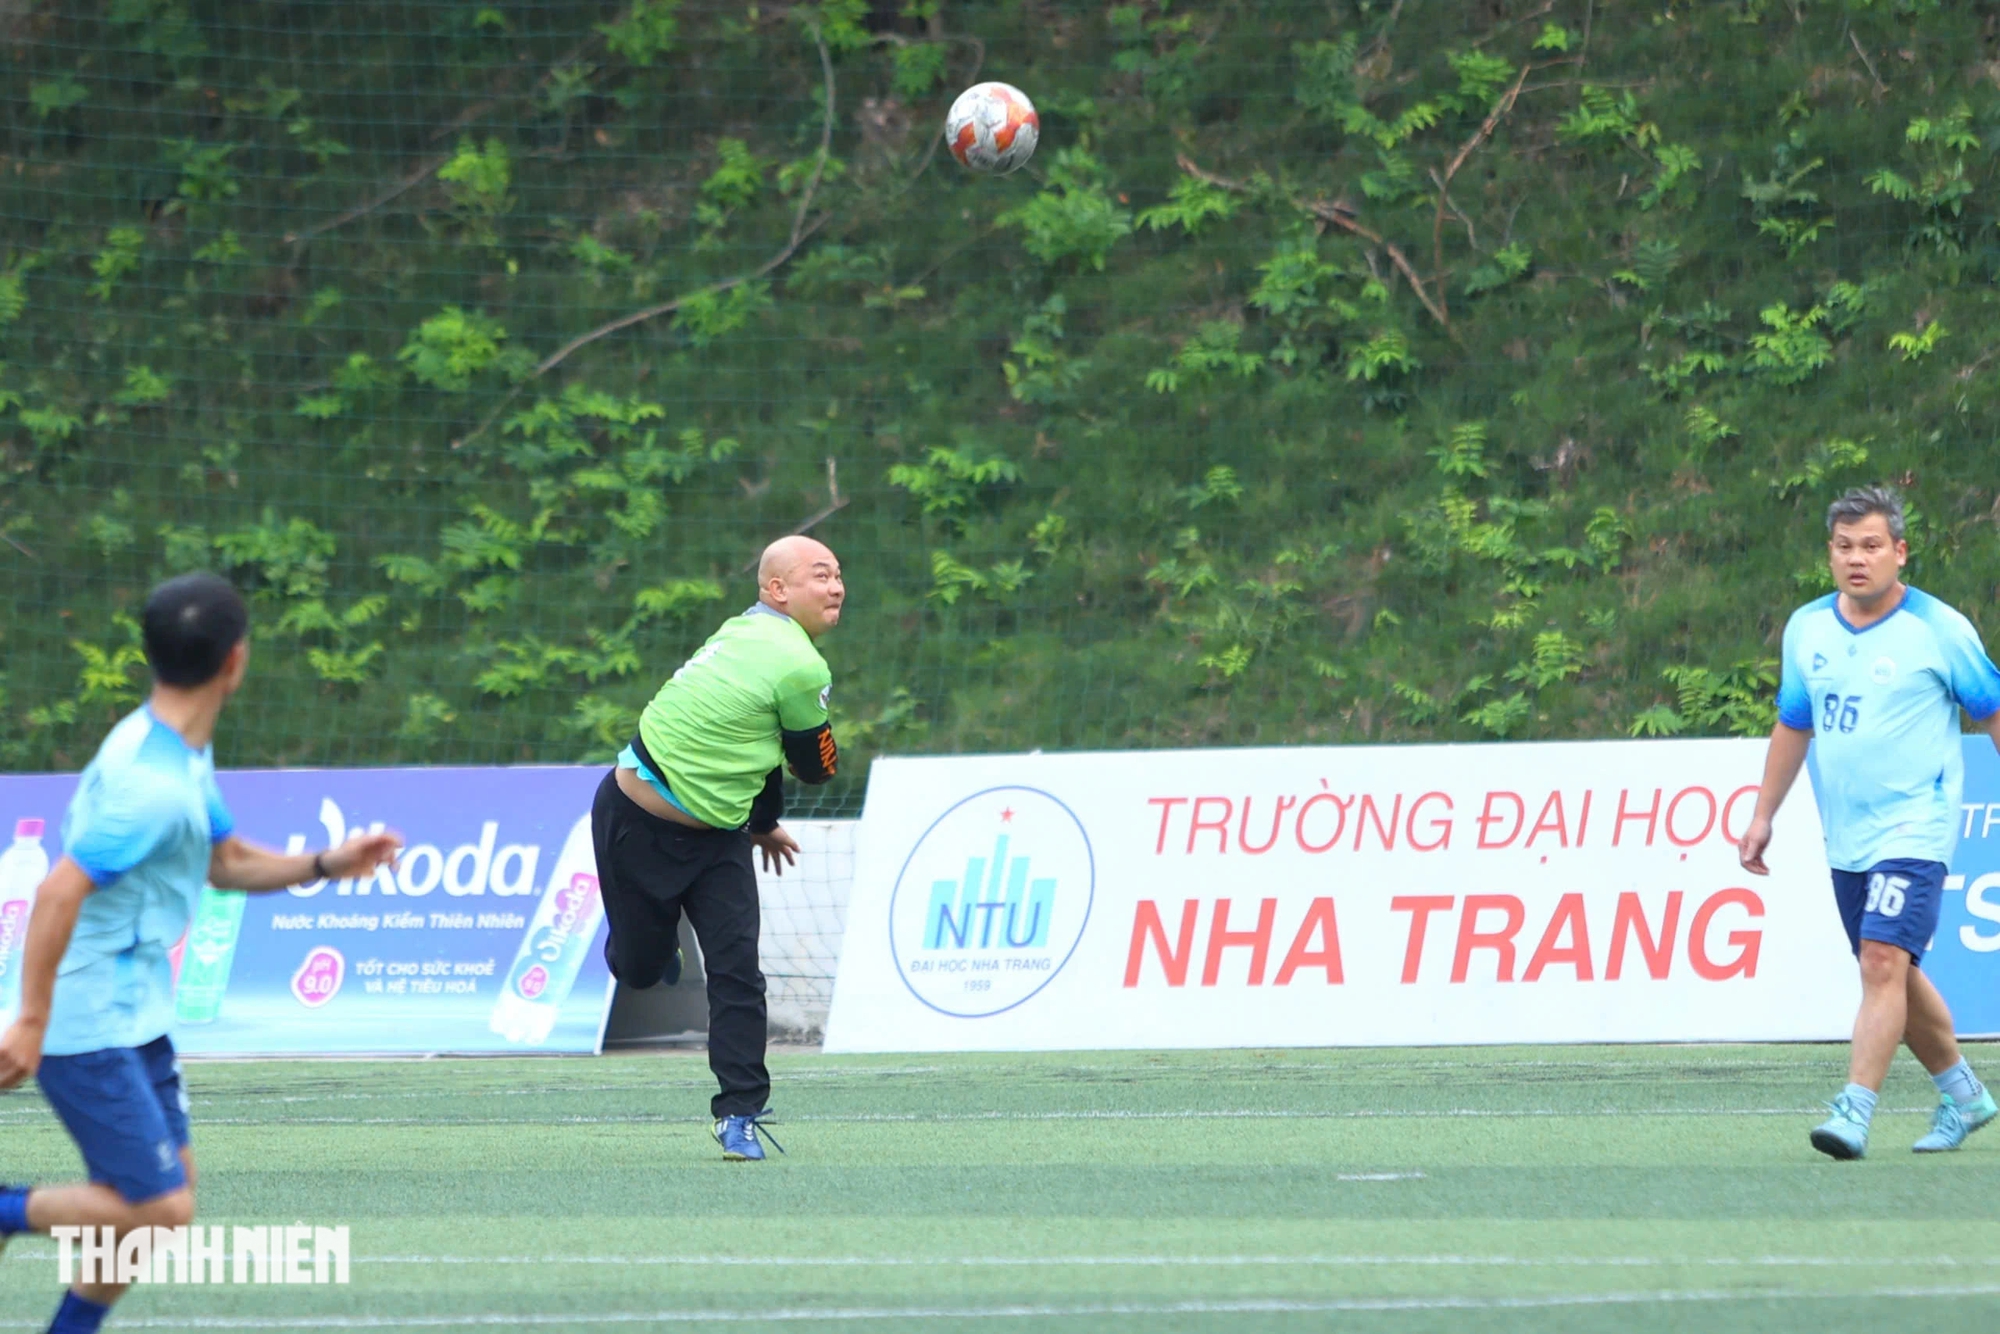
416 178
835 503
1859 50
429 168
801 230
1479 136
1341 216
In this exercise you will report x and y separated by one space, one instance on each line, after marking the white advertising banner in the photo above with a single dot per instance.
1548 892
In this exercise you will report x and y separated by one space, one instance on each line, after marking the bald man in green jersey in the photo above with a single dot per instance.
701 785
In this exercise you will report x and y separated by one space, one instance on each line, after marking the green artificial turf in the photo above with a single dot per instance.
1497 1188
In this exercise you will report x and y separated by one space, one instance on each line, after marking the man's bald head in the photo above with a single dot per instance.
800 577
791 553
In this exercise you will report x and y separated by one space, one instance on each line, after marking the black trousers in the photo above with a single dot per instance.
649 872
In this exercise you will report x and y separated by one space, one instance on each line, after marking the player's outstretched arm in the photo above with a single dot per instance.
238 864
1782 762
50 926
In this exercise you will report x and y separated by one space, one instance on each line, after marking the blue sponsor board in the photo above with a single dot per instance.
1965 954
486 937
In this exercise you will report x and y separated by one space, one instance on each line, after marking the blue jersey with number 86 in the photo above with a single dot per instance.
1882 703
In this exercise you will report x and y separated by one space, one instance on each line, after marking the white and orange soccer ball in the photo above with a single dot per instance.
992 128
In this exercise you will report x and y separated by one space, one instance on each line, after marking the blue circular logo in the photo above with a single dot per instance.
991 902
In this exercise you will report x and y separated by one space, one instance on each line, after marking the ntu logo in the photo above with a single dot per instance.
991 902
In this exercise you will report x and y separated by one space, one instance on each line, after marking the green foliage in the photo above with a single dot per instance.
1326 81
707 316
1509 262
13 296
920 67
52 97
1791 348
1938 177
1190 206
206 174
1653 260
1602 116
1917 346
477 178
272 559
1000 583
1677 165
119 257
1409 467
1821 465
645 32
1464 452
1706 429
452 348
1075 218
1784 209
1045 373
143 387
948 480
1212 350
110 675
736 181
1739 700
160 28
840 23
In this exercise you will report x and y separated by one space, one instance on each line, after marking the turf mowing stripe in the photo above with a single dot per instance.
1248 1306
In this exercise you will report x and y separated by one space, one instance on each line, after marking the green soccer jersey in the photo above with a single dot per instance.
716 728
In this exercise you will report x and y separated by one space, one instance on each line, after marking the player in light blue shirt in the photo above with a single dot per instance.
1872 680
145 831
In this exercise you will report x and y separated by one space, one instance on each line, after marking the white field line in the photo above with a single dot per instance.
1051 1311
809 1076
1109 1114
46 1252
1191 1261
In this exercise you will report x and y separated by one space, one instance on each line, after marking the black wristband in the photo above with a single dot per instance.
319 867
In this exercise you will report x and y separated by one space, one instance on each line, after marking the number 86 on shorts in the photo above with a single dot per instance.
1886 894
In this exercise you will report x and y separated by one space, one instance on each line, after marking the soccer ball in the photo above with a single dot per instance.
992 128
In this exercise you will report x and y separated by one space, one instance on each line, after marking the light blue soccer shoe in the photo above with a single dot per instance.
1843 1135
738 1137
1952 1123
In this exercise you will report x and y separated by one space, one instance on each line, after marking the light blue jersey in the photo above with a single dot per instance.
142 824
1882 704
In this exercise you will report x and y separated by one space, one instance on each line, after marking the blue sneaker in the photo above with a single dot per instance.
738 1137
1953 1123
1842 1135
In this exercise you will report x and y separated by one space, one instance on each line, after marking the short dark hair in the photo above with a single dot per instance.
1863 501
189 625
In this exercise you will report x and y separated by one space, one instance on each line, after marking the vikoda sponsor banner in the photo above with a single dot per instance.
1563 892
486 937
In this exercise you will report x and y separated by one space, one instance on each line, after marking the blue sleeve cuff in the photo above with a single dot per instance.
1795 710
100 871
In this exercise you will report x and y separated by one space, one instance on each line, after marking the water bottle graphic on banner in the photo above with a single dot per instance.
553 951
210 950
23 867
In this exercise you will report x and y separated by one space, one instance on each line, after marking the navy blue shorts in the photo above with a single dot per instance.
127 1112
1896 902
